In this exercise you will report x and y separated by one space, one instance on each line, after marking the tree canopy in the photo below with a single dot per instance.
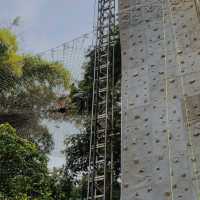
23 167
28 89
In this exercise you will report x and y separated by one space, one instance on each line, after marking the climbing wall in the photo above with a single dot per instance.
160 99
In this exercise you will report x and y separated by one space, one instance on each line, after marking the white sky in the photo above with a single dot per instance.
47 23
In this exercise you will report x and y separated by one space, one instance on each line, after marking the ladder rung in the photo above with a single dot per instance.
106 42
100 161
99 146
115 134
102 102
104 55
99 178
101 131
103 90
97 196
102 66
103 78
101 116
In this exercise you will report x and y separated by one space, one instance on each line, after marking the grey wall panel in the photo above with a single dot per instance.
160 42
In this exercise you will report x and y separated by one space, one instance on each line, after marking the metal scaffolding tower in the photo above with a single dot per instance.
101 155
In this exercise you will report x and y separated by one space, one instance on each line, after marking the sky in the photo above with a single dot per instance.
44 25
48 23
59 132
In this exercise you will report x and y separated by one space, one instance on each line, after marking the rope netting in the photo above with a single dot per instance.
71 54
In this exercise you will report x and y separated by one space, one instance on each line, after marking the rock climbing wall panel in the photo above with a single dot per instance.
160 42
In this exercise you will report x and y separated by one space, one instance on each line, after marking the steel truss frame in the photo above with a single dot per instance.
100 177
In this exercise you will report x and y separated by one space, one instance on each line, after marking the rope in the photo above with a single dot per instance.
72 53
194 166
166 103
85 35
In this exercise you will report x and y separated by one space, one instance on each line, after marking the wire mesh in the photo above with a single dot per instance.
71 54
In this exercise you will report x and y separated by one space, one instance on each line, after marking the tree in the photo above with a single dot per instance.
77 153
10 61
28 88
77 146
23 173
61 185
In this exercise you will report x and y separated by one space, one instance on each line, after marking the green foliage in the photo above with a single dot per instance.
77 151
37 69
29 70
23 167
28 86
8 41
61 185
77 146
10 62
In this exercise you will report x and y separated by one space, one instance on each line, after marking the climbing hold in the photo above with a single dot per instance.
196 134
167 194
191 82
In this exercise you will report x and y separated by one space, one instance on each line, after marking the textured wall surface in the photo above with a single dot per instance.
160 100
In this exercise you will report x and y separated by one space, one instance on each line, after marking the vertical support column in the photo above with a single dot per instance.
100 166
